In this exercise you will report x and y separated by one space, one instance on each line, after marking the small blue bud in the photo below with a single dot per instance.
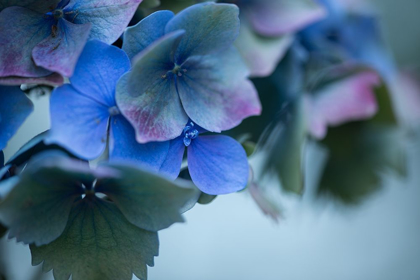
190 133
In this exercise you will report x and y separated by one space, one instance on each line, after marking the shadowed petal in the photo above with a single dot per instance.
34 5
261 54
109 18
218 164
124 147
278 17
15 107
99 68
139 37
21 30
172 164
147 95
78 123
209 28
215 93
344 101
54 79
60 52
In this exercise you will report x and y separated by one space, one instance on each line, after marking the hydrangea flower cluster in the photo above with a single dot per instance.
139 108
148 117
39 39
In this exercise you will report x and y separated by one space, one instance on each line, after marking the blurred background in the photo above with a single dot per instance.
377 237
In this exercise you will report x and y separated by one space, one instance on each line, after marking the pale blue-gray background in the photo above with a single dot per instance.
230 239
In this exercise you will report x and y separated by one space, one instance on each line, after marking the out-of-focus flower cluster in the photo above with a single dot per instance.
174 109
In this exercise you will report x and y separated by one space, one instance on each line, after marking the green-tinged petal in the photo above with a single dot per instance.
98 243
37 209
147 200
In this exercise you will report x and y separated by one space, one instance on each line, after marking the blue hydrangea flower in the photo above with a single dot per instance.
42 37
85 117
339 36
217 163
185 67
15 107
268 28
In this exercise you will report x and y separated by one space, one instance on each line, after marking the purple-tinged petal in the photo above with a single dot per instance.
218 164
78 123
137 38
124 147
20 31
147 95
34 5
261 54
98 70
61 50
215 92
15 107
172 164
268 207
109 18
54 79
347 100
209 28
279 17
157 114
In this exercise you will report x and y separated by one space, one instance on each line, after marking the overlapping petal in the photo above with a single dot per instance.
21 30
124 147
218 164
279 17
261 54
172 164
60 51
215 92
209 28
147 95
137 38
15 107
78 122
350 99
34 5
98 70
108 17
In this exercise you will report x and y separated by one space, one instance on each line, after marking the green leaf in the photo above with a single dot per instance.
205 199
147 200
358 152
148 4
176 5
249 147
386 114
37 208
3 231
280 150
98 244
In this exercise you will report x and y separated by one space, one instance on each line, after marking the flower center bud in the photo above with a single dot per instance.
178 71
114 111
190 133
58 13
